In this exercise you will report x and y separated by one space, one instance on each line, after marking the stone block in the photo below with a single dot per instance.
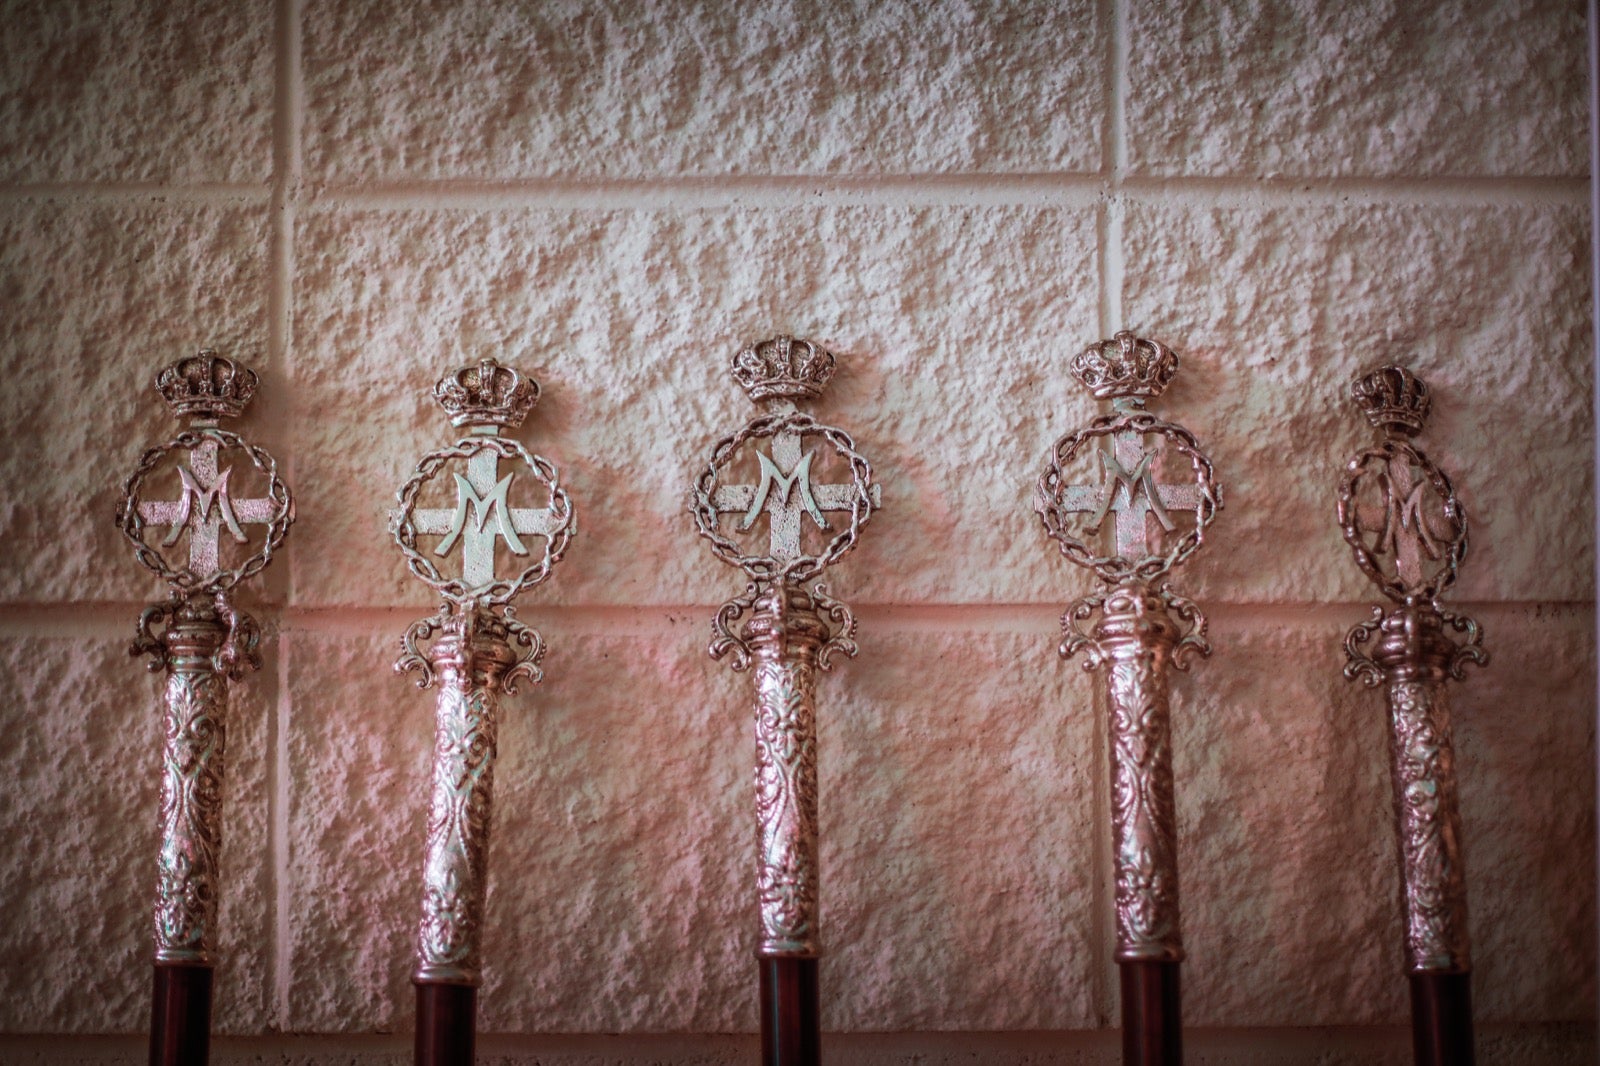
1360 89
948 324
82 757
956 835
99 297
623 91
1488 304
175 93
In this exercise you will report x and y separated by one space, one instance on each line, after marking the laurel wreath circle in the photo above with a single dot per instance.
182 579
499 590
765 567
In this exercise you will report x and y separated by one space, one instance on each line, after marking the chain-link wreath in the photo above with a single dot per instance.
497 591
765 567
1394 587
182 579
1114 568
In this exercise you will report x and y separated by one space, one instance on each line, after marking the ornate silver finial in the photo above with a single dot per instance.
783 369
1408 531
1126 367
1146 497
814 495
1394 399
471 499
487 394
207 385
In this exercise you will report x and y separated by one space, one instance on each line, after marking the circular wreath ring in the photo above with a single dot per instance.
500 590
182 579
805 567
1114 568
1396 589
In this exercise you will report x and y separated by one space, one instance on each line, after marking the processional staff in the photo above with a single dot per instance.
1140 627
473 660
793 630
201 641
1408 531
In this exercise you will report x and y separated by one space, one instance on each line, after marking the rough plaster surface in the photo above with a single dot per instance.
128 91
624 90
81 755
948 323
1488 305
1305 89
103 296
621 884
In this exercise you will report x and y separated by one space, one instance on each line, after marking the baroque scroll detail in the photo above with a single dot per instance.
1144 818
455 870
1433 879
191 816
786 807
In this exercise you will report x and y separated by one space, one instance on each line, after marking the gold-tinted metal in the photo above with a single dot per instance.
794 627
196 636
1155 484
479 650
1408 531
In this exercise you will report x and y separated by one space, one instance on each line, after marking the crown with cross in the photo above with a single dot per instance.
1393 398
208 385
1125 366
783 369
487 394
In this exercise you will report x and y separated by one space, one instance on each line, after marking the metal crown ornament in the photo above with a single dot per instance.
487 394
201 641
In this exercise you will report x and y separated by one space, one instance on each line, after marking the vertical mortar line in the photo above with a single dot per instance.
286 127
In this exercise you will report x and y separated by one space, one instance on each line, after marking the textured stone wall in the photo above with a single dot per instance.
955 197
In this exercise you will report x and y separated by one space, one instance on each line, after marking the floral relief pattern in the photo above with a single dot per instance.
456 865
191 815
1434 882
1144 819
786 806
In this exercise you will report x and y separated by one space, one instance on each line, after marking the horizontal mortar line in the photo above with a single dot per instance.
691 193
117 619
139 193
1319 192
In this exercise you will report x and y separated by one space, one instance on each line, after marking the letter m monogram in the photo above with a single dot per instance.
493 502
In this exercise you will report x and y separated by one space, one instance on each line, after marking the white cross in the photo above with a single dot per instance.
1126 490
483 492
204 508
785 493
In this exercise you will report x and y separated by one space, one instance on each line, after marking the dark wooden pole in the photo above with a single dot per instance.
1152 1025
180 1016
790 1029
1441 1019
446 1024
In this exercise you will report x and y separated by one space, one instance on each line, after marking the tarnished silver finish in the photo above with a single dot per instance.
794 627
196 636
1136 627
1408 531
479 649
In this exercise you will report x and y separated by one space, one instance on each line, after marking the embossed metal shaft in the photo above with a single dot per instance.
1136 638
1415 656
785 635
194 722
455 869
